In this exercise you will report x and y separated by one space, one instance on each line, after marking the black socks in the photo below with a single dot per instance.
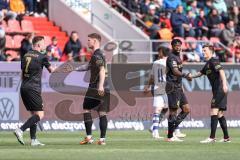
88 123
171 125
103 125
214 122
31 121
223 125
33 130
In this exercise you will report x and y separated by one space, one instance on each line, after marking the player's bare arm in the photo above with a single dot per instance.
198 74
177 73
150 82
51 69
101 81
224 80
82 68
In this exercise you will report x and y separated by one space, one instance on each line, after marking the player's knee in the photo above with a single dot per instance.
173 111
164 110
220 114
172 118
186 109
40 114
158 110
214 111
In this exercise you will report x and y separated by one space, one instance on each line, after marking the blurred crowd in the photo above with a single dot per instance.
13 8
200 19
193 21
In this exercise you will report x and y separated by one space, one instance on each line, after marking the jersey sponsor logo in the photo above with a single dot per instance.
178 103
6 109
174 63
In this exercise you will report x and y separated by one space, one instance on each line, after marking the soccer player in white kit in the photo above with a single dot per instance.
160 99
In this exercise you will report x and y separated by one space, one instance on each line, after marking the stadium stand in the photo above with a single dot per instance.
16 32
148 10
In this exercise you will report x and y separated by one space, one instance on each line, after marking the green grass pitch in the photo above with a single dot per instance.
121 145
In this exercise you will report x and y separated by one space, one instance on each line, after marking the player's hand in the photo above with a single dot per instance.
100 91
189 77
225 88
146 89
52 68
55 67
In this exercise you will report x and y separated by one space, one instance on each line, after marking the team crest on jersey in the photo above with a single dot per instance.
99 62
217 67
180 66
208 72
213 101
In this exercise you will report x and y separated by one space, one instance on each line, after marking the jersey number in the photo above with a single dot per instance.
28 59
160 75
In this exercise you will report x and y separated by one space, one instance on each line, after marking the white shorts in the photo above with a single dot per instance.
160 101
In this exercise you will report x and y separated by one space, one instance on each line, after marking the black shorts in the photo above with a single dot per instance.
32 99
93 101
176 99
219 100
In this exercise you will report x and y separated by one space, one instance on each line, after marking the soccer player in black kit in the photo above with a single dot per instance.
174 90
216 75
32 64
97 96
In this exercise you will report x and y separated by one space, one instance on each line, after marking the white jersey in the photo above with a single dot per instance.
159 76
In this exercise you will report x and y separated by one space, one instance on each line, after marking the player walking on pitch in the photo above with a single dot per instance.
32 65
176 96
160 101
216 75
97 96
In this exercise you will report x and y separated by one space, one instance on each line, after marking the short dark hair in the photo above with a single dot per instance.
211 47
73 32
156 20
176 41
36 39
96 36
164 50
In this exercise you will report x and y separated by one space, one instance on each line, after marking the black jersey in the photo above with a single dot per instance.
32 65
174 61
211 69
97 60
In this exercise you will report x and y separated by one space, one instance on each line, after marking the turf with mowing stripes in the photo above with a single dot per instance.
135 145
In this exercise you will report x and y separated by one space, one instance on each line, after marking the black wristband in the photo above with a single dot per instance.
185 75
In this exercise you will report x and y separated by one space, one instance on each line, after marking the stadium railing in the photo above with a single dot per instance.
132 49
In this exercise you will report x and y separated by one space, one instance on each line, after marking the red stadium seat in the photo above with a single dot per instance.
14 26
17 40
27 26
9 42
